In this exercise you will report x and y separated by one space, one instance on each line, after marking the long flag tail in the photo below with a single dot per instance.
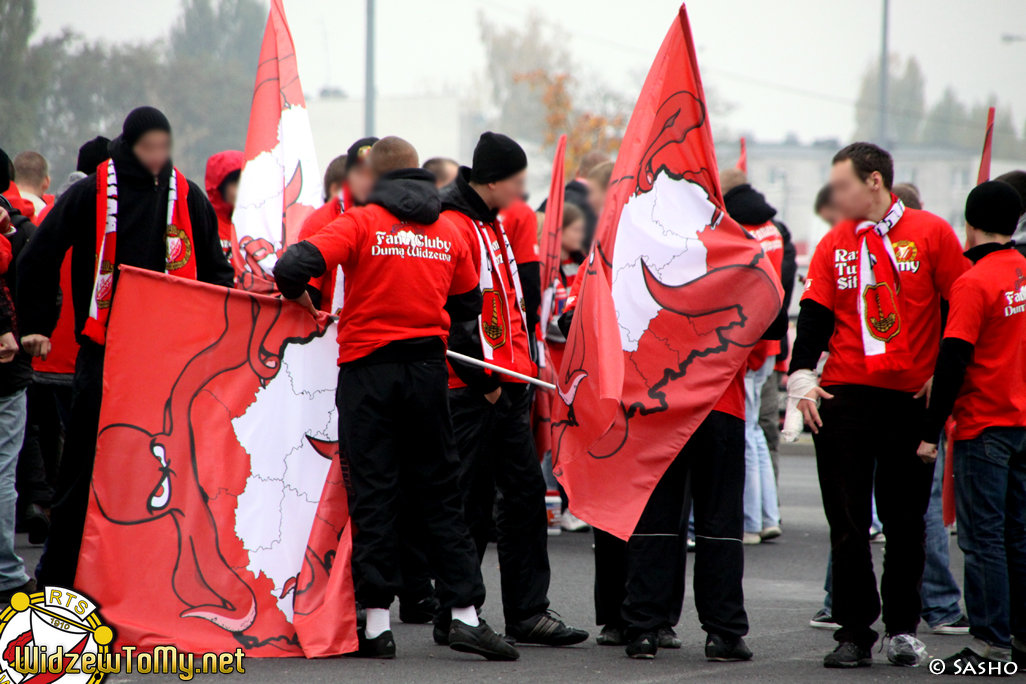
984 174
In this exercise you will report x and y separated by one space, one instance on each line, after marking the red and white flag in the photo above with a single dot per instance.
984 175
674 295
552 235
280 183
742 160
218 514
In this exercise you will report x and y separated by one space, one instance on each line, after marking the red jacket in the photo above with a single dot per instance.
218 168
23 205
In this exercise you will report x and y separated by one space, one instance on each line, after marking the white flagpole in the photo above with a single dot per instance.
499 369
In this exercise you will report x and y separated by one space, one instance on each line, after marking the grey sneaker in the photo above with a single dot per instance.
905 650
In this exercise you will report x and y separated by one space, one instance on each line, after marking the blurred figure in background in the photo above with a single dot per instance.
33 180
598 183
222 181
445 170
908 194
1017 179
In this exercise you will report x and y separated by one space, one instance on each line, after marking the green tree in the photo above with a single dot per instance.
948 124
23 75
906 102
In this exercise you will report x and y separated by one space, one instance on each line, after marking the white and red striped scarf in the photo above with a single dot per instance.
881 301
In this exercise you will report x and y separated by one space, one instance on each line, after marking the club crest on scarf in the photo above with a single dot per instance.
179 248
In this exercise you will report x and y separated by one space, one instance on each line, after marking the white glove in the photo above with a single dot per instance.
800 383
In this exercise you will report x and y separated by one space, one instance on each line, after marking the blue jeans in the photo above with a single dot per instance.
13 414
990 492
760 484
940 592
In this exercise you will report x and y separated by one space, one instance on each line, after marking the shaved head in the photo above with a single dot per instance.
731 178
392 153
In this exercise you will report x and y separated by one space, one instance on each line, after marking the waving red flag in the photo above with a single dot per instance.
742 161
984 174
218 515
280 183
673 297
552 233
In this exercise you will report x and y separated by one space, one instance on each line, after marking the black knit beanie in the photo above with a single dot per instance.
92 154
993 207
358 151
496 158
142 120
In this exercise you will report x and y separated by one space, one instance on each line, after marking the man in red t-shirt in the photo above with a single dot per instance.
408 279
980 380
491 412
872 299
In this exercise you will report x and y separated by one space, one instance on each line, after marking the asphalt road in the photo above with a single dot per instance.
783 589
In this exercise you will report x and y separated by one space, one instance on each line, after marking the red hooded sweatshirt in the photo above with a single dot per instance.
218 168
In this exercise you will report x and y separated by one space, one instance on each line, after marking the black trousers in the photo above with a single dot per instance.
715 459
866 429
40 454
397 435
71 499
496 445
611 574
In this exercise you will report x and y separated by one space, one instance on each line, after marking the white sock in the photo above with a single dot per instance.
377 622
467 616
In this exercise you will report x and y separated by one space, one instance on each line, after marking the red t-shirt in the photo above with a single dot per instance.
733 399
521 226
398 277
929 261
988 310
773 245
314 223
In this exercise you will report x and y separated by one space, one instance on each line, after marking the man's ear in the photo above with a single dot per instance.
46 184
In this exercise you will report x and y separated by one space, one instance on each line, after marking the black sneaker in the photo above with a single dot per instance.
381 647
644 646
361 617
28 588
668 638
611 635
823 620
1019 653
481 640
546 629
36 523
721 649
848 654
969 662
442 623
959 626
420 612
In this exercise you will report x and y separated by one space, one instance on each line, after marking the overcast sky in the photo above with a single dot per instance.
769 58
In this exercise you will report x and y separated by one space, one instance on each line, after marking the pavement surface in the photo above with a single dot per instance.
783 590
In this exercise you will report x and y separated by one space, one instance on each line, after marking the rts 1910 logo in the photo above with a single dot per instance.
54 634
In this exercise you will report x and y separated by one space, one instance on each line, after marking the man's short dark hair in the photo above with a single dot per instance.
392 153
867 158
1017 179
908 194
436 164
822 198
31 168
334 175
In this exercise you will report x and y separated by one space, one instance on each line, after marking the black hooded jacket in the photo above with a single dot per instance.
142 227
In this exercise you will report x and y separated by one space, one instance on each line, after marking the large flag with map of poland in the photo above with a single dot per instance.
218 516
671 299
280 183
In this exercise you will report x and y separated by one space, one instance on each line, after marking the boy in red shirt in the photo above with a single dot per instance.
407 276
872 299
980 380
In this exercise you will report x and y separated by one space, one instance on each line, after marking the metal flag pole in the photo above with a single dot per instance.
498 369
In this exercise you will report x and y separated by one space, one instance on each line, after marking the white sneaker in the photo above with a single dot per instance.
906 650
751 538
571 523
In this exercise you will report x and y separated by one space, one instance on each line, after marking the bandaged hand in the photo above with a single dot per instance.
803 397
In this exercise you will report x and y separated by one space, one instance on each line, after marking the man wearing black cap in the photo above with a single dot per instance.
491 412
980 379
347 184
156 220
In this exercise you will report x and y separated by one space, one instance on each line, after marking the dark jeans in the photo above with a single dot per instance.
71 500
497 452
714 458
863 428
40 456
990 491
611 575
395 430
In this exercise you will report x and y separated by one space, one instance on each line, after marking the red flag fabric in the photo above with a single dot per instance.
673 297
948 481
218 514
280 182
742 161
984 175
552 235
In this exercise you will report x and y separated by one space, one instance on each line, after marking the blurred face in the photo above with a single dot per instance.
851 196
153 150
231 191
446 175
829 215
596 197
334 189
361 180
573 236
508 191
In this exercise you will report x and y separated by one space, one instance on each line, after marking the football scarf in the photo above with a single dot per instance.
881 300
180 259
498 269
